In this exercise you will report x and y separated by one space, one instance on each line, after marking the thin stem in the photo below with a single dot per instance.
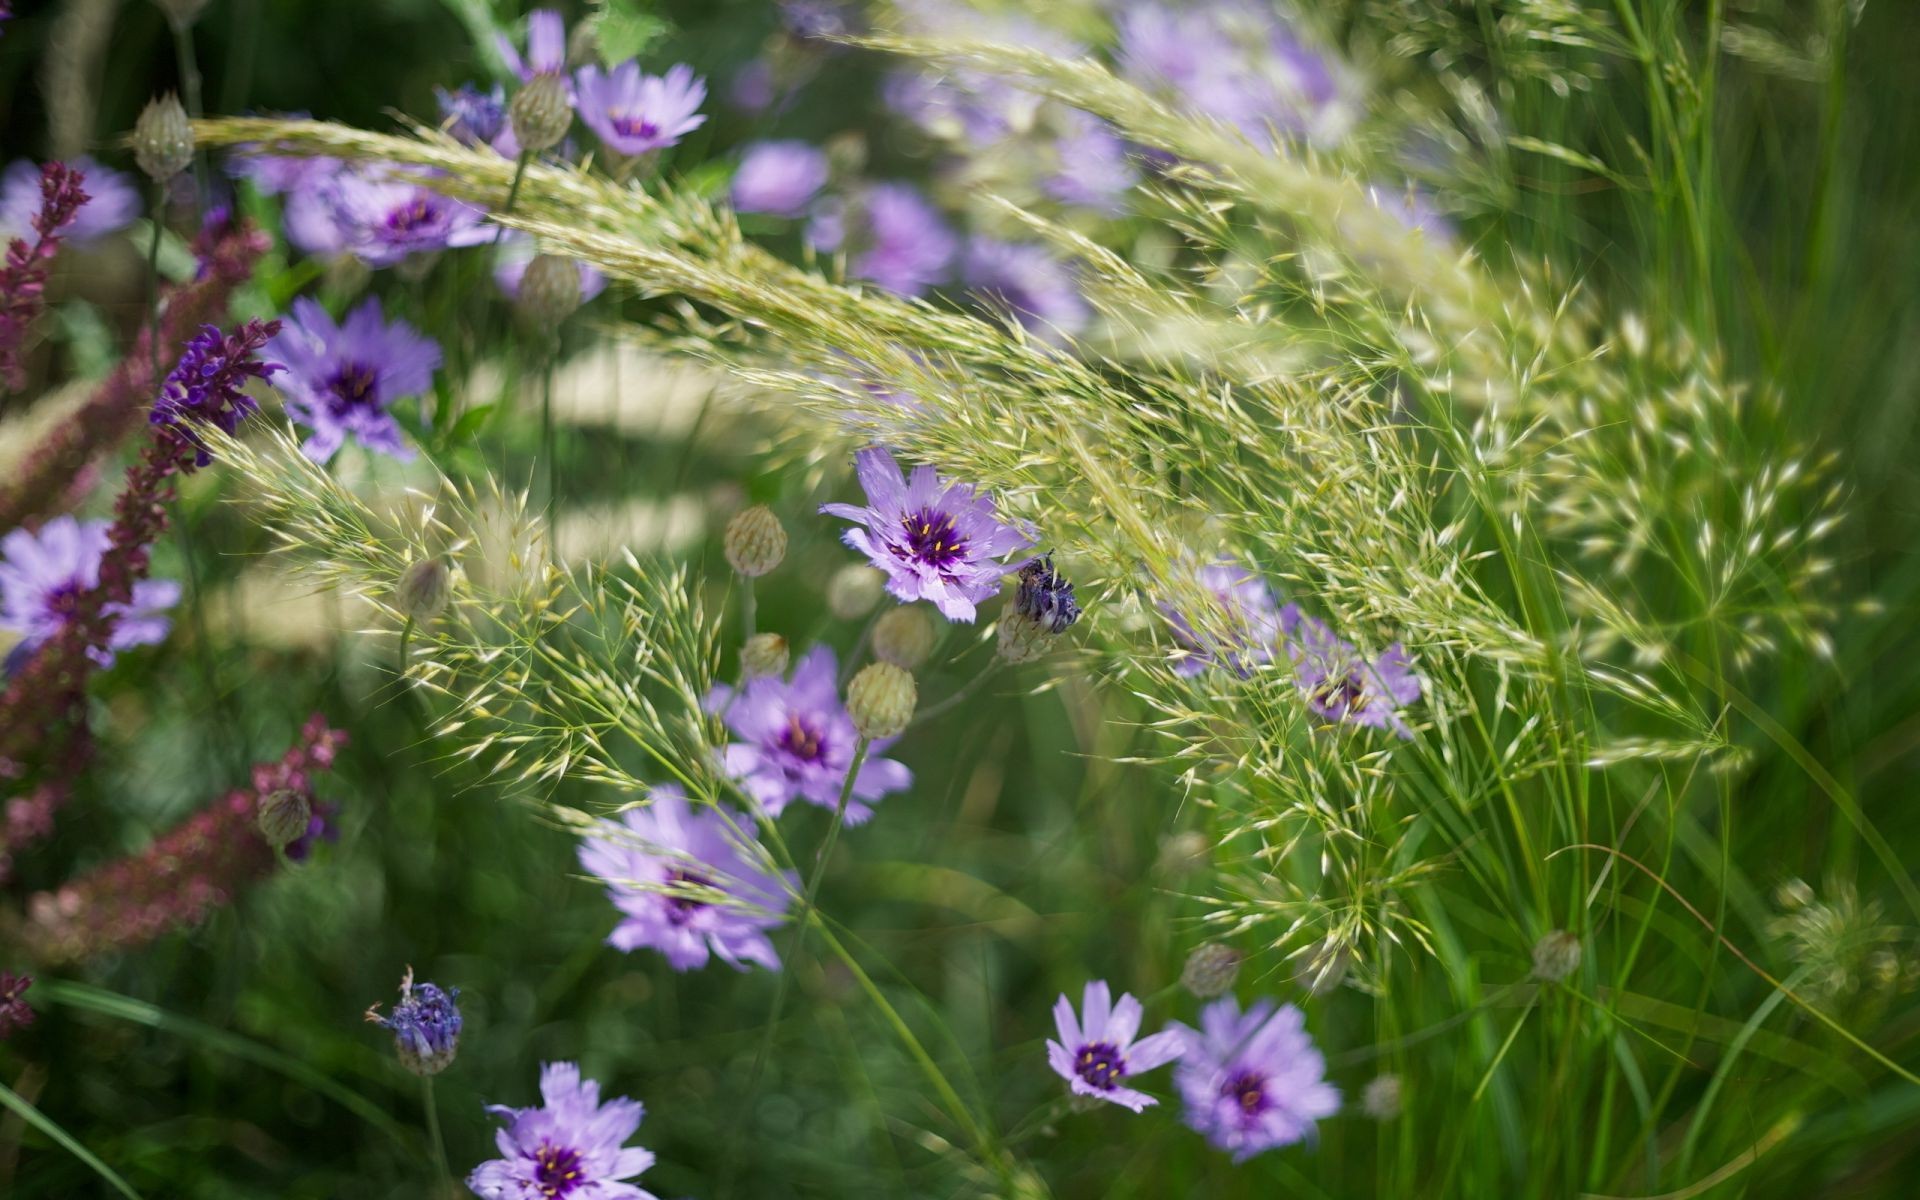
749 606
189 68
433 1134
513 193
153 286
546 429
406 635
965 690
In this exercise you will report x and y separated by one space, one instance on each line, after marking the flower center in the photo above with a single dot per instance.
932 538
1248 1090
61 600
680 906
1100 1064
556 1170
410 217
630 126
354 385
1340 695
802 740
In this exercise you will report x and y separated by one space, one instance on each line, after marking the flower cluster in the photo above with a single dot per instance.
23 277
572 1146
112 202
206 386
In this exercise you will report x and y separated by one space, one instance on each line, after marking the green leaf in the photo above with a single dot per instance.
625 29
64 1140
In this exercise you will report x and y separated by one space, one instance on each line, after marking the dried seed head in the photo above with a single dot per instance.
904 636
881 699
162 138
764 654
282 817
1185 853
549 291
1381 1099
756 542
854 590
541 113
425 587
1210 970
1556 956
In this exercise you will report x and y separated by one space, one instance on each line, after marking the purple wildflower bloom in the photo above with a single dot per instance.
546 47
975 107
205 384
752 89
815 18
908 246
569 1149
688 886
1095 1053
425 1026
384 217
517 250
306 208
779 177
1253 1081
473 117
1413 208
1025 279
15 1013
937 540
1095 170
42 574
1245 606
634 112
1341 684
343 379
796 741
113 202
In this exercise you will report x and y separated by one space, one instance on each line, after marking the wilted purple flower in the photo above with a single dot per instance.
113 202
517 250
937 540
1341 684
1039 289
425 1026
1097 1051
1094 169
15 1013
796 741
1244 606
205 384
386 215
908 247
689 884
635 112
1253 1081
472 116
42 575
546 46
570 1149
343 379
779 177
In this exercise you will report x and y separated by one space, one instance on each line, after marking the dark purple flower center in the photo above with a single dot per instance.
932 538
1248 1092
61 599
1341 694
802 739
1100 1064
556 1170
354 385
680 905
413 216
629 126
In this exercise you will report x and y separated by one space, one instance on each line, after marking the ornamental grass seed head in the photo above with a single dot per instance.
755 541
881 700
162 138
425 1026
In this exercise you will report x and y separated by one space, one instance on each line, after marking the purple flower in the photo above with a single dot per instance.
306 210
633 112
1095 170
206 382
1244 609
15 1013
1413 208
1025 279
908 246
797 741
752 89
113 202
517 250
1253 1081
384 216
976 107
546 47
689 884
1094 1054
779 177
425 1026
42 575
570 1149
343 379
937 540
473 117
1341 684
815 18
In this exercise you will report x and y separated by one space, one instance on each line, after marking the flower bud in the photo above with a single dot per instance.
1210 970
756 542
282 816
162 139
1041 611
1381 1099
425 1026
549 291
854 590
880 700
764 654
904 636
1556 956
425 587
541 113
1185 853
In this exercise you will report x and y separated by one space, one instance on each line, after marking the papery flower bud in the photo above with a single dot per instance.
1381 1099
541 113
854 590
1185 853
282 816
904 636
881 699
424 589
1556 956
162 138
1210 970
549 290
1041 611
756 542
425 1026
764 654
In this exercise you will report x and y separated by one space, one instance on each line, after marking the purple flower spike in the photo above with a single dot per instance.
1253 1081
343 379
1245 607
385 217
569 1149
634 112
1342 685
1097 1051
112 202
909 247
15 1013
1036 287
43 574
779 178
688 886
937 540
796 741
206 383
546 47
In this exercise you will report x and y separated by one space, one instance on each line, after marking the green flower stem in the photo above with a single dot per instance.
433 1134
